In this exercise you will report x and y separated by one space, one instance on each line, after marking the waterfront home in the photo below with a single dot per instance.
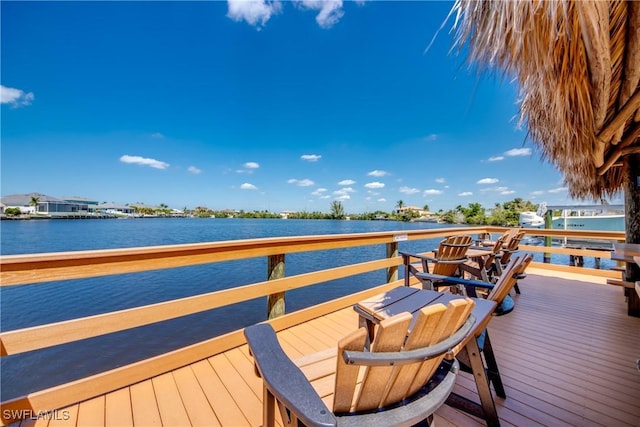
116 209
47 206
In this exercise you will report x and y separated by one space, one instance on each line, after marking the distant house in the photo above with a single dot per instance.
407 209
285 214
92 205
47 206
111 208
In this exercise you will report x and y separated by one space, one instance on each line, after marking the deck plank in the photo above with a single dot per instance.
144 406
118 408
91 412
193 398
172 411
224 406
248 402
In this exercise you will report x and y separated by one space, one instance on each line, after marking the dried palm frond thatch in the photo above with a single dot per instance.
578 67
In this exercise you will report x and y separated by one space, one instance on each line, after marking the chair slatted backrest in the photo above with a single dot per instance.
451 249
484 271
511 246
495 251
361 388
509 278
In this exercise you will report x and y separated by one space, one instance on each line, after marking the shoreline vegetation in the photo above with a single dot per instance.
501 214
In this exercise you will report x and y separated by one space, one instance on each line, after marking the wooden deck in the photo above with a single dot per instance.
567 356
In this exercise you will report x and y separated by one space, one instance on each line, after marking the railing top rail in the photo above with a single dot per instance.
194 248
46 267
584 234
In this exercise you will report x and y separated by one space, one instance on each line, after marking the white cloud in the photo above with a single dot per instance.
465 193
496 158
301 182
194 170
518 152
144 161
319 192
372 185
249 168
247 186
344 190
431 137
537 193
15 97
347 182
432 192
382 200
330 11
487 181
344 197
496 189
558 190
409 190
254 12
157 135
378 173
311 157
505 192
441 180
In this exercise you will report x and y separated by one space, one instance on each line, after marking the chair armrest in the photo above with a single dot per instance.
455 280
284 379
408 256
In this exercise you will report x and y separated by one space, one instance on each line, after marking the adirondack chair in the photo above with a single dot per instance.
511 246
498 292
446 260
486 267
403 380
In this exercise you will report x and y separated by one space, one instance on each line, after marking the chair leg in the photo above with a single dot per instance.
493 374
268 408
517 288
482 383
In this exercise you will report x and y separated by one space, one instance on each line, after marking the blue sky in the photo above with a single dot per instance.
254 106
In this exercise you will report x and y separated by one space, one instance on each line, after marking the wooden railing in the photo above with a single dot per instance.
18 270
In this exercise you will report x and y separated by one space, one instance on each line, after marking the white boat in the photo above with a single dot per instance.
591 222
576 219
531 220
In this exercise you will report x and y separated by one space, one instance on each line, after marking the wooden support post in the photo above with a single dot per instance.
548 223
275 302
631 170
392 272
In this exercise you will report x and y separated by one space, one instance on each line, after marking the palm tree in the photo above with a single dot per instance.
34 202
399 205
337 210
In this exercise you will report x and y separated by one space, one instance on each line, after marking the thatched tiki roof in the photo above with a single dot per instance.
578 66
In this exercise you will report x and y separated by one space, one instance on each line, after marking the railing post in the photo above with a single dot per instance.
548 224
392 272
275 302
